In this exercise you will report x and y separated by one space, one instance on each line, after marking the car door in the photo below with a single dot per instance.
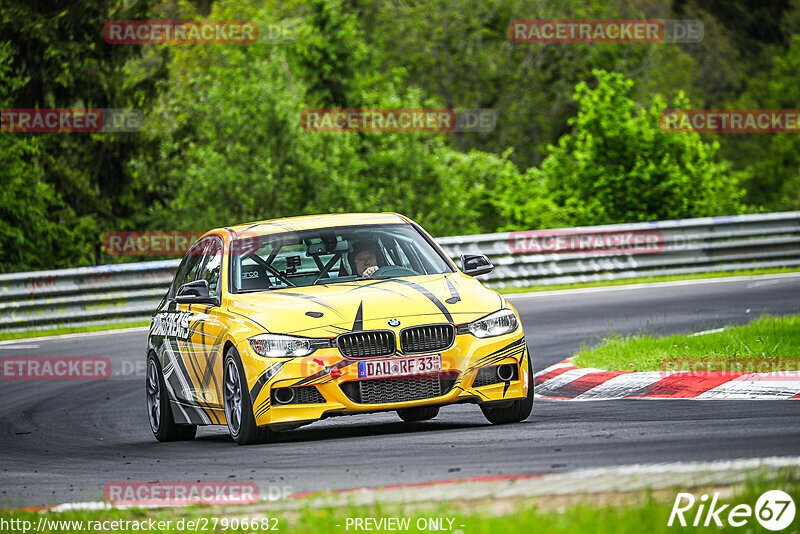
177 324
203 355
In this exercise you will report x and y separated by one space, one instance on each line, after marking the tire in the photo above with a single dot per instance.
420 413
238 406
519 409
159 412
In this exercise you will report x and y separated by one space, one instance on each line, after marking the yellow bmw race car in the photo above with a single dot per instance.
272 325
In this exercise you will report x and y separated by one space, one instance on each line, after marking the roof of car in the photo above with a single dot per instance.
310 222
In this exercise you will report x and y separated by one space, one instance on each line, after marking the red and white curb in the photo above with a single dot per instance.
564 381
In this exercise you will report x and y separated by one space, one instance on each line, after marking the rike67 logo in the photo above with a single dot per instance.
774 510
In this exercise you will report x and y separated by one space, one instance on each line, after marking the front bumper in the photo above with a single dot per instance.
327 383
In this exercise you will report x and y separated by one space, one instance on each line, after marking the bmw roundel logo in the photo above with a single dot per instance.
393 322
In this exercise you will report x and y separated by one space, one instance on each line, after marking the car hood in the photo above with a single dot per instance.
326 311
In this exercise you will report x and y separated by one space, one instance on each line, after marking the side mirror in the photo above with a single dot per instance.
475 264
194 293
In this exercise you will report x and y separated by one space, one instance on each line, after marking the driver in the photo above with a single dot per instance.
364 258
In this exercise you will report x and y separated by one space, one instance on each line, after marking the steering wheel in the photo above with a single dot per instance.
394 270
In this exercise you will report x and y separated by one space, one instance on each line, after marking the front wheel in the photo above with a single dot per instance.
162 423
238 406
519 409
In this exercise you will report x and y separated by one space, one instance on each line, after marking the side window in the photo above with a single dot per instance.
212 267
189 268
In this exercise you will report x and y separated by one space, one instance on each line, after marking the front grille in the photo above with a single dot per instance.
302 395
366 344
427 338
381 390
487 376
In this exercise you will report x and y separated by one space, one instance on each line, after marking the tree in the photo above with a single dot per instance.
57 58
459 53
771 160
33 233
618 165
231 147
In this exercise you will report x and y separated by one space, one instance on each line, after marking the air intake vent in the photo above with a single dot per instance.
369 344
487 376
427 338
382 390
300 395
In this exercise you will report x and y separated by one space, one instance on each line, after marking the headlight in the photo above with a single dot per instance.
495 324
276 346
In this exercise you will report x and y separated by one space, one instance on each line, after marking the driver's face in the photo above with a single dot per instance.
364 260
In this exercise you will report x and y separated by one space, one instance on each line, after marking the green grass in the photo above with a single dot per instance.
773 339
70 330
634 512
647 280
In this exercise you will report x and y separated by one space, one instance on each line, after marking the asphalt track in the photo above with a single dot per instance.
62 441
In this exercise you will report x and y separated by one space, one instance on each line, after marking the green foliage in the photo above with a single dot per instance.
332 56
60 191
32 235
618 165
772 161
458 51
232 148
223 142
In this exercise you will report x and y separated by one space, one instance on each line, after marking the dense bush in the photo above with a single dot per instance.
617 164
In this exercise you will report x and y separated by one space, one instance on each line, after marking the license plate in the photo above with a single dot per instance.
414 365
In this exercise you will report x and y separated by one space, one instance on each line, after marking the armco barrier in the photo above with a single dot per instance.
130 292
83 296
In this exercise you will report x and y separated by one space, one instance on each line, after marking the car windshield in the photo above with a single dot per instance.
332 255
